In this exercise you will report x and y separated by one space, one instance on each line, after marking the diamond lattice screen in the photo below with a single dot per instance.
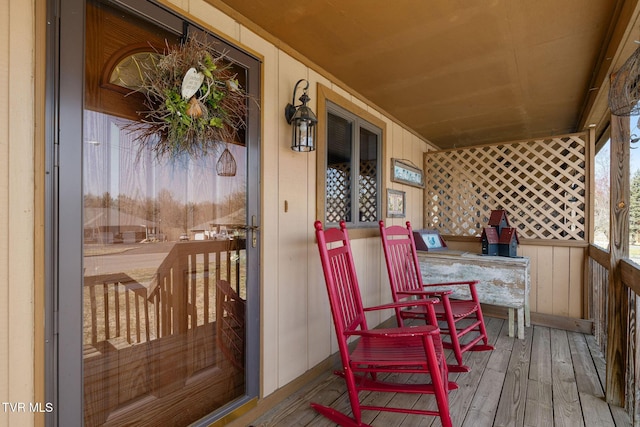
368 191
338 187
541 185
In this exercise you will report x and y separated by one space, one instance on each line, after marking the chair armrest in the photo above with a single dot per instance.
400 332
470 283
403 304
467 282
431 294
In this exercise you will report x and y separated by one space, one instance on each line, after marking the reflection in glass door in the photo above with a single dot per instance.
165 252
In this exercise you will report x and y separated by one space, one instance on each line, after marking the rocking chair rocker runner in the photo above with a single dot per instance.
405 279
377 352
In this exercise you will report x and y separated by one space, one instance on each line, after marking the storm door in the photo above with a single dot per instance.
169 241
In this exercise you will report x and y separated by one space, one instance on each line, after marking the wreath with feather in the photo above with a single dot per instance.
194 102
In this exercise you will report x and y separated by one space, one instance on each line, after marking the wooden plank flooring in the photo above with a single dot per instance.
550 378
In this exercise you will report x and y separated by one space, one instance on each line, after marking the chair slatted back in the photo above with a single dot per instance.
341 280
403 266
402 259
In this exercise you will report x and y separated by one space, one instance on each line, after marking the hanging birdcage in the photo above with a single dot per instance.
625 88
226 165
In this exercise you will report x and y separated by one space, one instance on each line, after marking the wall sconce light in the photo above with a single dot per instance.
302 120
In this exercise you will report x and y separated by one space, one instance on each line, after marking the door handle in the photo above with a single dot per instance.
254 231
250 227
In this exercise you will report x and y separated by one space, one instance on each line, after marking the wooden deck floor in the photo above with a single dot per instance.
551 378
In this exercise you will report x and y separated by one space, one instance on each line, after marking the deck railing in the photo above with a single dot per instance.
598 283
116 306
180 296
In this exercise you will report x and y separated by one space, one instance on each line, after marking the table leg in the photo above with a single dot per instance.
511 319
521 316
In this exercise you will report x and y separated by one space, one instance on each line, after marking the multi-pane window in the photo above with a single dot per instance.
353 169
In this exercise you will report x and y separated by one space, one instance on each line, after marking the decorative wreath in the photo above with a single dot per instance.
195 104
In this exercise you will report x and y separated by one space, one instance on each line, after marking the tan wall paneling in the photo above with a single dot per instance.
367 288
560 276
577 282
532 252
292 240
223 24
544 294
553 280
319 318
556 279
4 207
17 68
396 151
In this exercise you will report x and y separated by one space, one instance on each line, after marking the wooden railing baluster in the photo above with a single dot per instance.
180 294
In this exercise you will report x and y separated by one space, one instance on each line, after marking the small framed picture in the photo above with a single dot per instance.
395 203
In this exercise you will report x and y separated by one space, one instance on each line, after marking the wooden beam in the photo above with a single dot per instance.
618 307
630 273
587 289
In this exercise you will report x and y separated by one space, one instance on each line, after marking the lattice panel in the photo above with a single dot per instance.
338 187
368 191
541 185
338 203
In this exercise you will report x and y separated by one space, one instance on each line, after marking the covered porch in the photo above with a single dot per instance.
452 87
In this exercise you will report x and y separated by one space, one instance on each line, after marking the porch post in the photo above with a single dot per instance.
617 318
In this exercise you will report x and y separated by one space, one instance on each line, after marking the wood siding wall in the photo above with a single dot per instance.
17 69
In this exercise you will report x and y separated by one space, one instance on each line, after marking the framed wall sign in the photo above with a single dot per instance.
404 172
395 203
429 240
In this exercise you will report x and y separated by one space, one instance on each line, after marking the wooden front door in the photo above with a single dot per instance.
169 244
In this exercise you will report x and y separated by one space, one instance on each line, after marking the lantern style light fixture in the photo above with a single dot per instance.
302 120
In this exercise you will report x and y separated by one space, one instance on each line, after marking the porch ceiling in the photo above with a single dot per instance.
457 72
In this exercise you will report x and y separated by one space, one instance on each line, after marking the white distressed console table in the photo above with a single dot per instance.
503 281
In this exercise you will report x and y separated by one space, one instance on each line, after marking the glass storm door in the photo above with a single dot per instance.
169 244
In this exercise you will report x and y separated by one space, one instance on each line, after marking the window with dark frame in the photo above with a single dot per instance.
352 190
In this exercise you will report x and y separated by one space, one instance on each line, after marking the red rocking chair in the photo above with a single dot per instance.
377 352
406 283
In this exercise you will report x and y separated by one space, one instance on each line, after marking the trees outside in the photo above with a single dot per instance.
602 203
162 215
601 197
